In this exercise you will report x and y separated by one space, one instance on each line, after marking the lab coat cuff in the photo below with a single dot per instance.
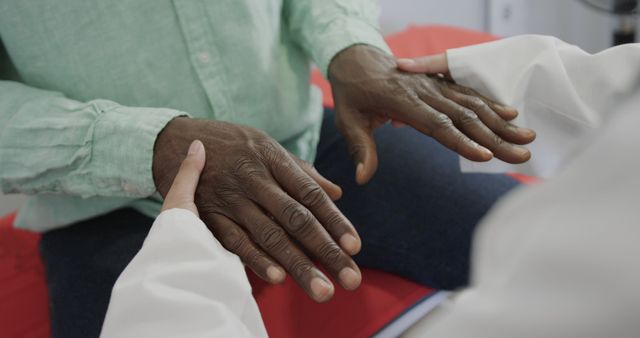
126 136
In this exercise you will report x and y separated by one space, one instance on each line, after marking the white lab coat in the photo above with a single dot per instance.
182 283
560 259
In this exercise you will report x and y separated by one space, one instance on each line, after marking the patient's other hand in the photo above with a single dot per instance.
369 90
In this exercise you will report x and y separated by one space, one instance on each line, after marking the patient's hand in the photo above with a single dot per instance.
369 90
257 199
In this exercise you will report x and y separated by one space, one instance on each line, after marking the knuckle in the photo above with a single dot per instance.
498 141
467 117
300 267
299 218
312 195
475 103
356 148
335 218
269 150
330 253
254 258
235 241
441 121
248 166
273 238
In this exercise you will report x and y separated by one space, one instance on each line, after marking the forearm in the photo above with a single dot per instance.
560 91
52 144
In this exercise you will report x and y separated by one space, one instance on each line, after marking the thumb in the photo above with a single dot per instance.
362 149
183 189
433 64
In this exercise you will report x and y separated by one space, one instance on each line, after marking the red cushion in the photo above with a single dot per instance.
287 312
23 292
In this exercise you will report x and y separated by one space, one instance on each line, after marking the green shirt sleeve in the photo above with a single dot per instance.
52 144
323 28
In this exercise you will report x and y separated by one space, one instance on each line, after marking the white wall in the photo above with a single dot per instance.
396 14
568 19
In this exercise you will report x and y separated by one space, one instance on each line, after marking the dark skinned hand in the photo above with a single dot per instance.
260 202
369 90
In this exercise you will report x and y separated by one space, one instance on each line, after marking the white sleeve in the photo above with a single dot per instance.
561 91
559 259
182 283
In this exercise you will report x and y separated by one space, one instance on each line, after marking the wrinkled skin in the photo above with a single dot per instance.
256 198
369 90
267 206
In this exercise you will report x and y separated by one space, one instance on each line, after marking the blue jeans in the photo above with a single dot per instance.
416 219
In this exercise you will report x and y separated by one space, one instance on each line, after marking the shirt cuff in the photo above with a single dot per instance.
123 142
346 33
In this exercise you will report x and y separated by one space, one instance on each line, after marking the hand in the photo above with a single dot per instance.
183 189
257 199
369 90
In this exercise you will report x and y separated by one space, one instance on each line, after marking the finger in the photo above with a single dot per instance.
469 123
236 240
491 118
297 184
506 112
302 225
430 122
433 64
359 138
184 185
274 240
333 190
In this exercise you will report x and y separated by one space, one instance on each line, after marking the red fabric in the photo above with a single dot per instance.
23 292
287 312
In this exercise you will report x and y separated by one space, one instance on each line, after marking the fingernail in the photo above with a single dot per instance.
522 152
350 278
405 62
195 147
321 289
528 132
350 244
276 275
487 152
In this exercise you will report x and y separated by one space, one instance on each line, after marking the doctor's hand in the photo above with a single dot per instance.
369 90
183 189
261 202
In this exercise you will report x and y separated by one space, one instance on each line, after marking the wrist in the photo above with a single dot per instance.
359 57
170 144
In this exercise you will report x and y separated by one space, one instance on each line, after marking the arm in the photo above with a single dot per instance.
560 91
52 144
183 283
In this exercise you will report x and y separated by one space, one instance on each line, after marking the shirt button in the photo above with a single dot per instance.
204 57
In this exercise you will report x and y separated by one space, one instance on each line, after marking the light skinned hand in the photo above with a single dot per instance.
183 189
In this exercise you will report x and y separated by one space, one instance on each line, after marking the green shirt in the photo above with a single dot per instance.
100 79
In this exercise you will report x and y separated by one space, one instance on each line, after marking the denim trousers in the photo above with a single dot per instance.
416 219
